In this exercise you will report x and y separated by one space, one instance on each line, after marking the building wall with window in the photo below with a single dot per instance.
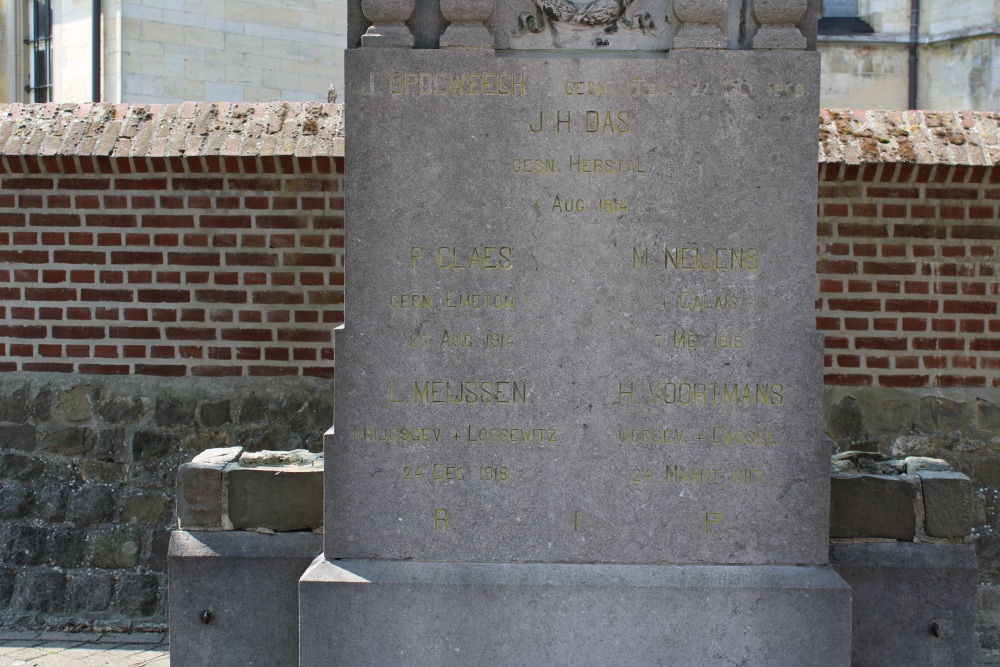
866 65
176 50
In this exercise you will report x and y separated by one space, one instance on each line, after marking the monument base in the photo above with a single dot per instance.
432 613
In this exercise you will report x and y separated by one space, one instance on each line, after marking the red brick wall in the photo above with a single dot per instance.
203 266
908 264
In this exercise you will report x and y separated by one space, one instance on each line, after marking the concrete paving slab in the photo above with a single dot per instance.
134 638
31 648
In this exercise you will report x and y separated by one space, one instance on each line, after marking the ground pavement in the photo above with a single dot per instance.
34 648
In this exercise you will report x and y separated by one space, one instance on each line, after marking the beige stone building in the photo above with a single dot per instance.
172 50
866 47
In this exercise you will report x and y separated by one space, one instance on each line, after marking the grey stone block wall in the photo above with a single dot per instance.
88 470
961 426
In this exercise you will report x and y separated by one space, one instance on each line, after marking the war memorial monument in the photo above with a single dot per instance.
578 390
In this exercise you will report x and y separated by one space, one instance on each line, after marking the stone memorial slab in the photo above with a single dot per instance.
579 381
580 325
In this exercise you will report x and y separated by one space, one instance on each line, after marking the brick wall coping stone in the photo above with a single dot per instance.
312 129
916 137
191 129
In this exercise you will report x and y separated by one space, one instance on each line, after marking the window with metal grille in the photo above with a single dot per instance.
39 43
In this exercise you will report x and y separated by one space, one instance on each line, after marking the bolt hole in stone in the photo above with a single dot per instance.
206 617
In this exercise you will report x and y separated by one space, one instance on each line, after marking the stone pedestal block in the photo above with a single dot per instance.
442 614
914 604
246 582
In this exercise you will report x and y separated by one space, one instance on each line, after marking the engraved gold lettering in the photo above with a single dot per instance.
624 394
479 301
711 519
711 259
692 475
511 435
440 519
448 84
533 166
710 393
399 434
723 436
637 436
443 472
579 164
411 301
479 257
586 88
470 392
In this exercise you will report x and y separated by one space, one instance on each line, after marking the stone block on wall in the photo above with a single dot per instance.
873 506
199 489
947 503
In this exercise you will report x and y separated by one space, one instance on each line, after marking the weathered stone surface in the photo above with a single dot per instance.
215 413
845 419
116 548
947 503
203 440
219 456
6 584
873 506
150 444
573 498
943 413
92 503
41 406
20 466
279 498
90 591
915 464
20 436
175 411
158 550
873 463
41 590
68 441
137 594
15 499
914 604
23 544
74 404
253 410
248 582
144 509
110 446
14 405
121 409
988 416
104 473
65 546
572 614
50 502
296 457
199 496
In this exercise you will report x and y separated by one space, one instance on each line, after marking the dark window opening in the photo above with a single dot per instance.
39 43
840 17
